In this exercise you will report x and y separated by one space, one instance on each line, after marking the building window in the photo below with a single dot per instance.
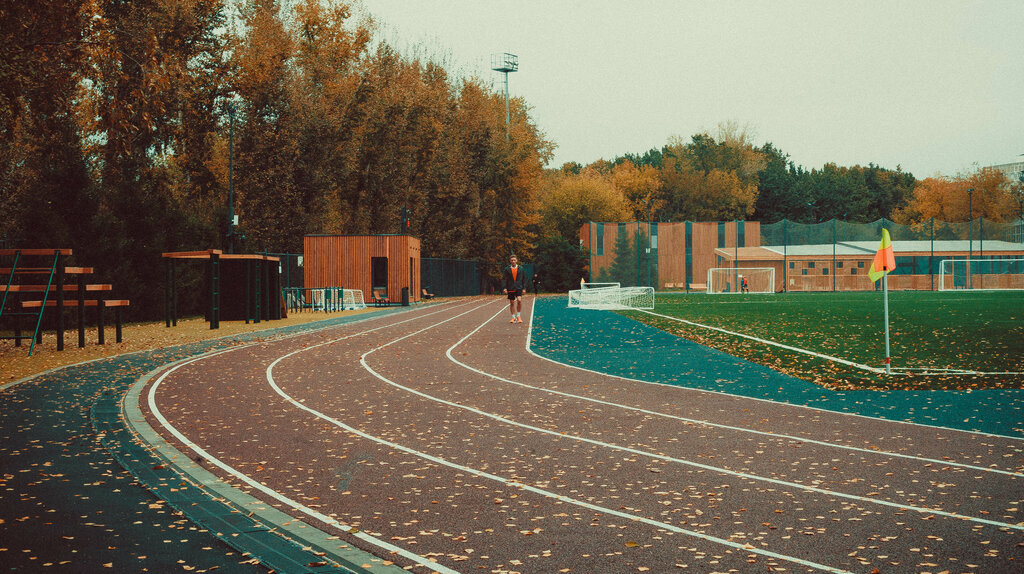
860 265
810 265
721 234
853 271
792 264
600 239
839 264
803 272
824 270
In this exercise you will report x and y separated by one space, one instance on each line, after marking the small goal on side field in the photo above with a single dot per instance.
981 274
353 299
741 280
611 296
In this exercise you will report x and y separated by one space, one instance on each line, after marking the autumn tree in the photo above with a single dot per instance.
569 201
947 198
708 179
46 192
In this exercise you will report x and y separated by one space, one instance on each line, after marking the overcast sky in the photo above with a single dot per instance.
933 86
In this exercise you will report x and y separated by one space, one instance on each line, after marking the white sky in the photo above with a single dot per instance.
935 86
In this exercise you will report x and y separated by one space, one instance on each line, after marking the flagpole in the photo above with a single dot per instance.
885 297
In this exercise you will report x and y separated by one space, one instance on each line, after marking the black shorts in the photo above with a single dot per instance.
513 294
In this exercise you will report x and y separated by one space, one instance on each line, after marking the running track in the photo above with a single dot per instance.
434 439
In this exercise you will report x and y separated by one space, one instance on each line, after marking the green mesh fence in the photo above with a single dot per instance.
980 240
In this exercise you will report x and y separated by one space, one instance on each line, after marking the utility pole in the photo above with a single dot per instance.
231 179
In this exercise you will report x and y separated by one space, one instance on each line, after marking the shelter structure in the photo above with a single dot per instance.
386 268
238 286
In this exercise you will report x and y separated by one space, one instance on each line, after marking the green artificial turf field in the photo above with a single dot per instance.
979 336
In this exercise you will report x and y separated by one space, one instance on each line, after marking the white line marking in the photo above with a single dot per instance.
712 424
786 483
920 370
273 493
768 342
510 482
529 338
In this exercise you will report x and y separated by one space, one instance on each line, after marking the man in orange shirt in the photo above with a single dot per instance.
515 285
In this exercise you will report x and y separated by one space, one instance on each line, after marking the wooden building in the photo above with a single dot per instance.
682 252
369 263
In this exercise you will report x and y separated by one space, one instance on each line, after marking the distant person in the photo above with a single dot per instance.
514 279
744 287
536 282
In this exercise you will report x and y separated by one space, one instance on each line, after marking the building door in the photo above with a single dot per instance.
379 273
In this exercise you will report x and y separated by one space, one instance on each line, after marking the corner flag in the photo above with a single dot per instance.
884 261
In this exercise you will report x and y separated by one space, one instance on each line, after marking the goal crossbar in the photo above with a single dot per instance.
728 280
612 298
1003 274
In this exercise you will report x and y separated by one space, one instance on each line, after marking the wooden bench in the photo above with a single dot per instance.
698 286
46 270
42 288
379 296
101 304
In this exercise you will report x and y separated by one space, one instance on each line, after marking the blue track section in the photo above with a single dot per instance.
610 343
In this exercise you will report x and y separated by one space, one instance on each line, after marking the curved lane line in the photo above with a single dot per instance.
723 393
273 493
510 482
709 423
667 458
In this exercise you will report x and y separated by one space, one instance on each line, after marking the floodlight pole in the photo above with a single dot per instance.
505 63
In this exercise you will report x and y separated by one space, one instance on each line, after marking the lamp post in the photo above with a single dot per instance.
970 235
1020 206
231 178
650 242
810 204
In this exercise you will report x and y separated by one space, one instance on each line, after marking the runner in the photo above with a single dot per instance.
515 284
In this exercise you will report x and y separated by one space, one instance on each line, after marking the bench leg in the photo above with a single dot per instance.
117 314
81 311
99 321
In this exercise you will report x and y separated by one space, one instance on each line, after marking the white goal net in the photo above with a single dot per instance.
981 274
741 280
353 299
611 296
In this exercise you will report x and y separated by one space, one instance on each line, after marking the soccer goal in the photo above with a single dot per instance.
731 280
353 299
981 274
612 297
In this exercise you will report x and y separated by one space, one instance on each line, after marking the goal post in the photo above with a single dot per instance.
741 280
1004 274
612 298
353 300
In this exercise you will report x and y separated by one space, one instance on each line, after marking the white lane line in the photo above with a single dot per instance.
712 424
509 482
768 342
529 336
667 458
922 370
273 493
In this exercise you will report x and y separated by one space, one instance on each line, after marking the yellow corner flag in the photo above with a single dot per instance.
884 261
